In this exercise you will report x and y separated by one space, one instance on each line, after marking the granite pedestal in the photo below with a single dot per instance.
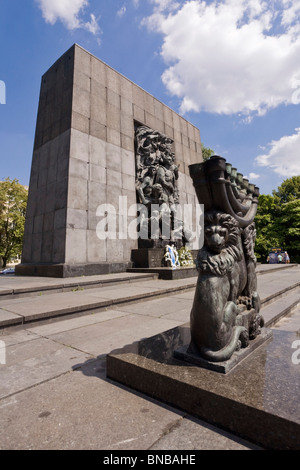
149 260
257 400
224 367
64 270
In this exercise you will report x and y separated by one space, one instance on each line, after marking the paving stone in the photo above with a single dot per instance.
32 362
194 434
82 410
53 304
54 389
75 323
158 307
9 318
101 338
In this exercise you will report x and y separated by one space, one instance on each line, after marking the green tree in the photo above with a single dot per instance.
289 190
267 236
206 152
278 220
13 202
288 225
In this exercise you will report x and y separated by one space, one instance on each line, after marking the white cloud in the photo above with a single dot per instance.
253 176
162 5
92 26
291 12
283 155
68 12
229 56
122 11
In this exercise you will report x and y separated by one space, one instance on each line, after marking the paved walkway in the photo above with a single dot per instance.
54 393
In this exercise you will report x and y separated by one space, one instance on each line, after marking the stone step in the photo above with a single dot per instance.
267 268
20 311
36 301
17 287
274 285
280 307
22 286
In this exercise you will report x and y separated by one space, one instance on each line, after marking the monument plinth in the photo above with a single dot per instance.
256 400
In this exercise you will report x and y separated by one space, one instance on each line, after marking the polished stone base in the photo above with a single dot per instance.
257 400
147 257
70 270
224 367
150 260
168 273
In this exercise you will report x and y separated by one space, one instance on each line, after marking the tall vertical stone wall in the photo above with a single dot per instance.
83 157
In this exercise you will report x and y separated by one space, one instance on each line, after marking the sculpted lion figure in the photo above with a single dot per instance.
223 279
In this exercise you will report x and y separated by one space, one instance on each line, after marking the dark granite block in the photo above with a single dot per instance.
147 257
224 367
64 270
257 400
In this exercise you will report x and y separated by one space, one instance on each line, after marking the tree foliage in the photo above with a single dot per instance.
206 152
278 220
267 236
289 227
13 202
289 190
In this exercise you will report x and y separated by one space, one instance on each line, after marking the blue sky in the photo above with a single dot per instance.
231 68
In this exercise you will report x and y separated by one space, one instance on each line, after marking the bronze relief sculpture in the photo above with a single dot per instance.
156 181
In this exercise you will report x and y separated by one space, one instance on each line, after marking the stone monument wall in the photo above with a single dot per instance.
84 156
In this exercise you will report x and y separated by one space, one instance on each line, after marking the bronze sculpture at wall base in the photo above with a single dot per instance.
156 190
160 225
225 316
